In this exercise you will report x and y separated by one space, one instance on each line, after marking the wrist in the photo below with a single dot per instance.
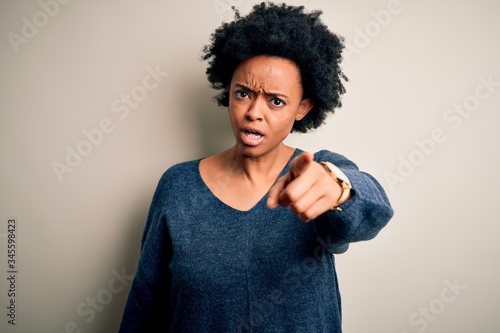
341 179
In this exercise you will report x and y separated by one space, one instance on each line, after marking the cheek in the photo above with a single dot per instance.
235 116
283 121
232 111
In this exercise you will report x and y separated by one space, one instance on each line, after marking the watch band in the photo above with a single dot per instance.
341 179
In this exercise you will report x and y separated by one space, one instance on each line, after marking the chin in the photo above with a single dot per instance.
256 152
252 152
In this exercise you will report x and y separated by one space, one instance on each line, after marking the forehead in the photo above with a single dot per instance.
265 72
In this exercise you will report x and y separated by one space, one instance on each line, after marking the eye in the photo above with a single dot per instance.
278 102
241 94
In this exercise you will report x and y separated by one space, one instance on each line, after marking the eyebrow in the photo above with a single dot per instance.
242 86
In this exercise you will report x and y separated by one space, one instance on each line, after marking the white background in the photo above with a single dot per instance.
407 71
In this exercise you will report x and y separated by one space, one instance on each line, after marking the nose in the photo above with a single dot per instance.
255 110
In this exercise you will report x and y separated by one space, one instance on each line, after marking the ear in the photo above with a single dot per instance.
304 107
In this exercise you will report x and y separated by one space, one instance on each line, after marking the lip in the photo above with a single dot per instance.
251 140
252 130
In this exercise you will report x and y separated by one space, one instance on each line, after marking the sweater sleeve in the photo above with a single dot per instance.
147 305
362 216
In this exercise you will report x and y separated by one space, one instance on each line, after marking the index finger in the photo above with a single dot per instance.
301 163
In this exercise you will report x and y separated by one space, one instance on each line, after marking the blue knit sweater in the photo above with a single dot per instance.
207 267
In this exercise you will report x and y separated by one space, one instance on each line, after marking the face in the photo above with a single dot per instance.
265 99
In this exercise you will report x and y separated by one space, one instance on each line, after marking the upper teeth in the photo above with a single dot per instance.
253 134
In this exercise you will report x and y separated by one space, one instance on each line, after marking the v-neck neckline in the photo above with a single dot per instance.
283 171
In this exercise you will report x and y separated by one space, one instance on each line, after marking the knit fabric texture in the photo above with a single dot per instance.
207 267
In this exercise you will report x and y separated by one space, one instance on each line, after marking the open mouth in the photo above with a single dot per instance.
252 134
251 137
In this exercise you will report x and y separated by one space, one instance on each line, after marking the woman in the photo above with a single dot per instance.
243 241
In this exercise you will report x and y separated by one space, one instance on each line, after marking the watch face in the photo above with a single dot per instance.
342 180
345 185
337 174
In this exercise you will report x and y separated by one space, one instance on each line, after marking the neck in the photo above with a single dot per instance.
261 168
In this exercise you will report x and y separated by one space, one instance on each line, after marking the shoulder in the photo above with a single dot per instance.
178 175
182 168
175 183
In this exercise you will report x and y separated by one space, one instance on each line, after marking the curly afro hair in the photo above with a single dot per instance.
286 32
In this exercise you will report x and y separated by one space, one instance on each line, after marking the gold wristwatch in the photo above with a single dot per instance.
341 179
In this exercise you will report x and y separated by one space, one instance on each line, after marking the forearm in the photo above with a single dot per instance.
361 217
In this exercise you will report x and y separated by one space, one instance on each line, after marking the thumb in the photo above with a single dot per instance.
274 192
300 164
